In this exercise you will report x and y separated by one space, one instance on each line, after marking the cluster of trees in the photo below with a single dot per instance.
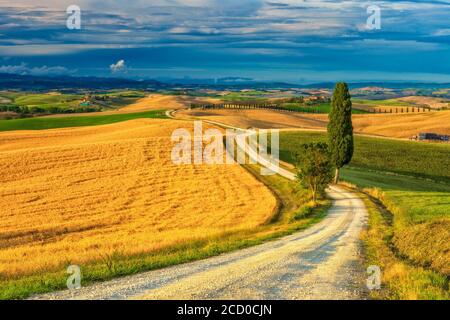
25 110
317 100
316 161
311 101
299 99
14 108
73 110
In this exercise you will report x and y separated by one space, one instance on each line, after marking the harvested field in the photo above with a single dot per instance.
401 125
432 102
416 102
259 118
155 102
388 125
80 195
166 102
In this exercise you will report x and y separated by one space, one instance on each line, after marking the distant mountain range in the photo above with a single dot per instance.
26 82
43 83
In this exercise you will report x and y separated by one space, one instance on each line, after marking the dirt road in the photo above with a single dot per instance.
322 262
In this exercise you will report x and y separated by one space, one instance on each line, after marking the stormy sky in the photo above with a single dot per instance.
277 40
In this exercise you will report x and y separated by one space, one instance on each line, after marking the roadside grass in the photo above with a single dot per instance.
422 200
43 123
401 280
421 219
294 213
411 182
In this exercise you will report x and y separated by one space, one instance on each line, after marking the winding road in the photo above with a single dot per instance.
322 262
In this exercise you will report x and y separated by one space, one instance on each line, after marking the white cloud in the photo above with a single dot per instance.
24 69
442 32
119 66
52 49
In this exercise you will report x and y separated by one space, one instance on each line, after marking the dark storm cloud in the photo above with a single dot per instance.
279 37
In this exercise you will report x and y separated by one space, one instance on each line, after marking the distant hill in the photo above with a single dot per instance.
26 82
44 83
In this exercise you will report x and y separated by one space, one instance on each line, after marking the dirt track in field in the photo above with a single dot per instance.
322 262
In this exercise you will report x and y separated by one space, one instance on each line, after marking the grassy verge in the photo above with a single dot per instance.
401 279
420 221
410 182
413 200
294 213
63 122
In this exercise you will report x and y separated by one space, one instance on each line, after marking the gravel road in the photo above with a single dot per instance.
322 262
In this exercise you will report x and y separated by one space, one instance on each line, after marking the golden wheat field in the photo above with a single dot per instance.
74 195
263 119
388 125
160 101
155 102
432 102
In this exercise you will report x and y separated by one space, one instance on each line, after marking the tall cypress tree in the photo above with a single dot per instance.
340 128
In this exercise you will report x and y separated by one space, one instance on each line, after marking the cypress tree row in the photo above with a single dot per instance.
340 128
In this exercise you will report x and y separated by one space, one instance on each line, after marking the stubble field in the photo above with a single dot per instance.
388 125
80 195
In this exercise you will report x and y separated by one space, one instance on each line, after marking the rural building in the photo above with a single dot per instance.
433 137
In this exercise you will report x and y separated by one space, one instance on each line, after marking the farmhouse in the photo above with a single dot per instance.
433 137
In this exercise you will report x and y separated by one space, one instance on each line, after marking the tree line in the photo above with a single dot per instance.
26 110
317 161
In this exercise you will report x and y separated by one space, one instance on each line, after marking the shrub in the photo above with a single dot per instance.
314 168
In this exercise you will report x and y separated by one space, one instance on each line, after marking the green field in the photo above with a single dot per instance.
319 108
244 96
28 103
401 278
42 123
401 157
255 97
412 181
11 95
410 239
49 100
